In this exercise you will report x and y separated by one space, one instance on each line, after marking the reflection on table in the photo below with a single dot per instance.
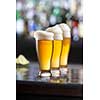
30 73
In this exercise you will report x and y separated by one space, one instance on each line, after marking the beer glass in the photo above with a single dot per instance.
44 51
57 46
65 49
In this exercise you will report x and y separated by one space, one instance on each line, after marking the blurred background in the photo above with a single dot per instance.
33 15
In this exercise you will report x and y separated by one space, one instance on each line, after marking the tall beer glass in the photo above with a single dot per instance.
65 49
57 46
44 51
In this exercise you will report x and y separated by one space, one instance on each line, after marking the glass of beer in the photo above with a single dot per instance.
56 51
44 51
65 49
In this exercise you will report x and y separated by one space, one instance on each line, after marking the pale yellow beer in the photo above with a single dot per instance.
44 51
65 52
57 46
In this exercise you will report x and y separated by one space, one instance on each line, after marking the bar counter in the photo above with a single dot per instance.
27 82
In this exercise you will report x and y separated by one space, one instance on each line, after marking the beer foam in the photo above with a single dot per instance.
40 35
58 33
66 30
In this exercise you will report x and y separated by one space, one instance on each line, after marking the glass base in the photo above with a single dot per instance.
63 71
44 74
55 73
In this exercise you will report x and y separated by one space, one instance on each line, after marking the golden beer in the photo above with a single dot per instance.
44 51
65 49
57 45
65 52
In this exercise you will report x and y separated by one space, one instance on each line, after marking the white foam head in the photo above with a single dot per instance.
66 30
40 35
58 33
